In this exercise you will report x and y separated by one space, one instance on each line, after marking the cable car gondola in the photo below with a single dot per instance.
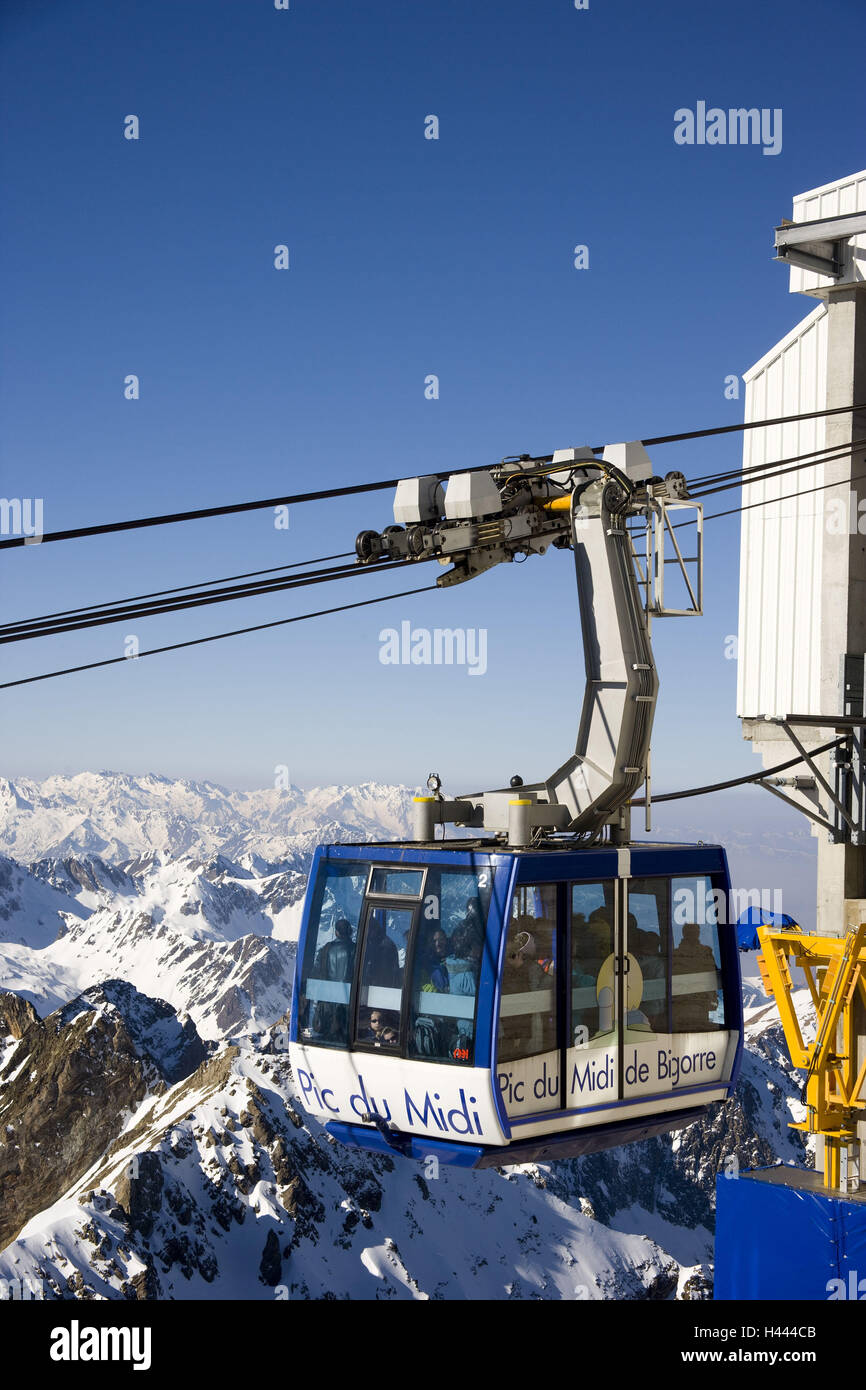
496 1007
547 987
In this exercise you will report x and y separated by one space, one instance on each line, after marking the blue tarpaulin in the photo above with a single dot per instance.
780 1235
749 921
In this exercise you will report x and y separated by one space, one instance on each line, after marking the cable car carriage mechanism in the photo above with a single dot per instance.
549 987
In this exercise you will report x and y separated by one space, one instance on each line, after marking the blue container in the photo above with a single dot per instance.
781 1235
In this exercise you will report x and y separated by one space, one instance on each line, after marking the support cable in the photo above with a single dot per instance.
214 637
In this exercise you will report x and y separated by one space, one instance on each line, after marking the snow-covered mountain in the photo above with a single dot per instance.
219 1187
151 1139
32 911
214 939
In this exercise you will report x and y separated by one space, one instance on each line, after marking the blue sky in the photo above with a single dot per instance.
408 257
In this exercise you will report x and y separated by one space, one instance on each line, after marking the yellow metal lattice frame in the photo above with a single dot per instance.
835 972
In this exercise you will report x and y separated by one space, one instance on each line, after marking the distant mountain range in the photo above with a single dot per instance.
120 817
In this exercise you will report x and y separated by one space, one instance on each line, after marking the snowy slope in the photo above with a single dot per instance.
32 912
226 1168
214 938
222 1188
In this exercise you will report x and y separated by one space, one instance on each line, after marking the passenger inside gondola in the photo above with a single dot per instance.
434 968
383 1028
446 972
580 951
527 1021
462 966
473 915
462 961
600 940
380 975
334 962
649 944
592 944
381 965
696 988
337 957
649 1012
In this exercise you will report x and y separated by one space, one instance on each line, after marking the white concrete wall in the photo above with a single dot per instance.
781 542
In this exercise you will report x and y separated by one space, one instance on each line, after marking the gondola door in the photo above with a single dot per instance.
599 965
645 1007
528 1054
378 1012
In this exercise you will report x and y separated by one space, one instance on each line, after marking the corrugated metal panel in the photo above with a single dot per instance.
781 541
833 200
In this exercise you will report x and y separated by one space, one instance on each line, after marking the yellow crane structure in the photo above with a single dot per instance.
835 973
